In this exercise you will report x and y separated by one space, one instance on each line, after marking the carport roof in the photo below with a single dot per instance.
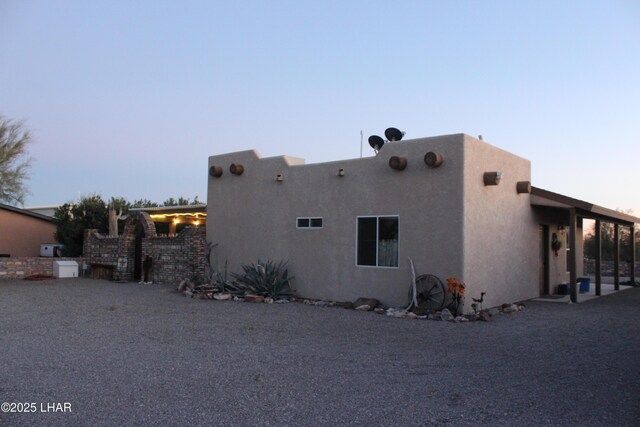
540 197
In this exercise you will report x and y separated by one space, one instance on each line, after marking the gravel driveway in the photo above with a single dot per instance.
129 354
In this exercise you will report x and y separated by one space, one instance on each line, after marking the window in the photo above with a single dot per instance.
308 222
377 241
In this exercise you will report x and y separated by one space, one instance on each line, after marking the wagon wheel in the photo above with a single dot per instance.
430 293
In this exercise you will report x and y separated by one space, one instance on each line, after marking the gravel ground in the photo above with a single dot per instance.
129 354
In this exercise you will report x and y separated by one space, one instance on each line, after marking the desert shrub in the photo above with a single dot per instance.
265 278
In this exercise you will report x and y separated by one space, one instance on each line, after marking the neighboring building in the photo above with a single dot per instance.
459 208
46 210
23 231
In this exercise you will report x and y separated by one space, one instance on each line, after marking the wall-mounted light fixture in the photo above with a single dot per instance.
279 178
523 187
340 172
236 169
397 163
492 178
433 159
215 171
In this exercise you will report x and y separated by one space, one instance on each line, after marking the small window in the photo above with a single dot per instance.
377 241
308 222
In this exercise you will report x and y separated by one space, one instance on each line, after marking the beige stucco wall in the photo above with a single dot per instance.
253 217
500 250
22 235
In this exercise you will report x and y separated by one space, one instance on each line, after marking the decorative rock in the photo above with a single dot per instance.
268 300
188 293
379 310
307 302
446 315
411 315
400 314
185 285
221 296
321 303
282 301
420 311
493 311
371 302
364 307
485 316
254 298
332 303
434 316
510 308
460 319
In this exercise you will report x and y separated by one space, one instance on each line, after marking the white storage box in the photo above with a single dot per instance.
65 269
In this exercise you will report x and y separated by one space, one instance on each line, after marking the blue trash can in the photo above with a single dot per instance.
585 283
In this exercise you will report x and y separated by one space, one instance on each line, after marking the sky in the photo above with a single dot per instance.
129 98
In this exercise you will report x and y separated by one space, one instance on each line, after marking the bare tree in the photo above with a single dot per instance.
14 160
121 206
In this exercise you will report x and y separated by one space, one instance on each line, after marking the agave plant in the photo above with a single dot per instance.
266 278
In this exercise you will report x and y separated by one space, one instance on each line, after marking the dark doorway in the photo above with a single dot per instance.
543 259
137 257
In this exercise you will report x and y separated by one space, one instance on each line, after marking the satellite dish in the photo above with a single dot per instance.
393 134
376 142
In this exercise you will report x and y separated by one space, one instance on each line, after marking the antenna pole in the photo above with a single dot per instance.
361 143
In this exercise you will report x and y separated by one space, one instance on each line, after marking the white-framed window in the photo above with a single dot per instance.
377 241
309 222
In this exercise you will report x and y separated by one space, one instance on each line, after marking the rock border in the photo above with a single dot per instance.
188 289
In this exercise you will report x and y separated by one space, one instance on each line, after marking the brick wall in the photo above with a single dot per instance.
177 258
100 249
21 267
607 268
174 258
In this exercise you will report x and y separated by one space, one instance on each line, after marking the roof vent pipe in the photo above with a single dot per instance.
236 169
397 163
215 171
433 159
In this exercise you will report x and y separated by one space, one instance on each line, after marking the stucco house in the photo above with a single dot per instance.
457 206
23 231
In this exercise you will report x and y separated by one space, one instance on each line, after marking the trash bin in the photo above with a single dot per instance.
585 283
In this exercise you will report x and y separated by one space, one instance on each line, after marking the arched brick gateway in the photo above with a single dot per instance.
139 225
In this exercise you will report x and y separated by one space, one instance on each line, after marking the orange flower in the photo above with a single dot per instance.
455 287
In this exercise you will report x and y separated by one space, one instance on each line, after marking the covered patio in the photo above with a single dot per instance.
571 212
